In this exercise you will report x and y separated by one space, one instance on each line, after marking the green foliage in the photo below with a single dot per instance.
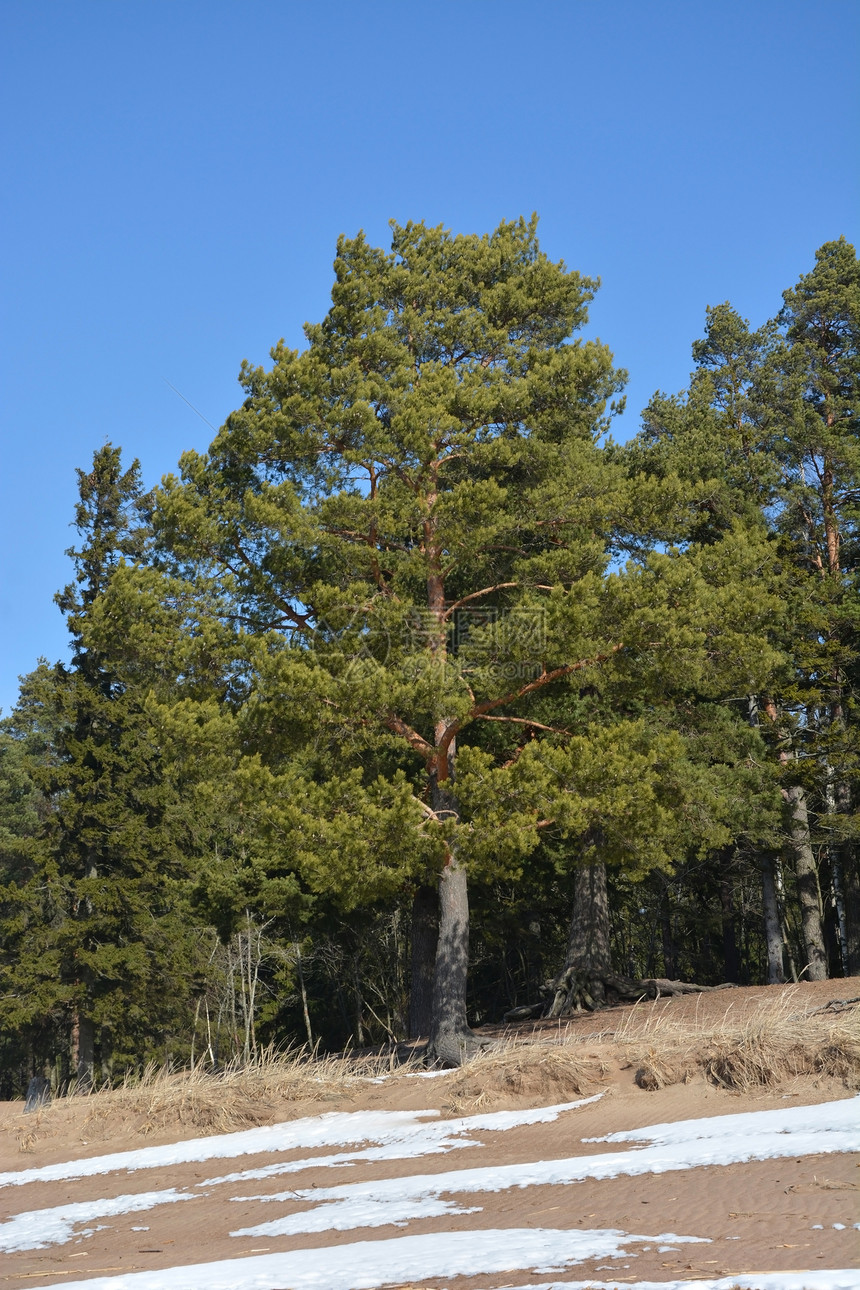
414 609
99 911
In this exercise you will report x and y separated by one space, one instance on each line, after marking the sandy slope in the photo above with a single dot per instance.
762 1215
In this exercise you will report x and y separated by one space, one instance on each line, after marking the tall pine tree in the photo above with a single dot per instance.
417 523
113 942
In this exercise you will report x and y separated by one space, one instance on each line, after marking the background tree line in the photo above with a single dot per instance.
417 690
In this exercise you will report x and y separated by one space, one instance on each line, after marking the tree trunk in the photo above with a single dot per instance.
83 1052
305 1014
837 893
358 1002
851 892
425 936
588 936
772 925
588 958
807 884
451 1039
848 888
731 957
670 953
838 799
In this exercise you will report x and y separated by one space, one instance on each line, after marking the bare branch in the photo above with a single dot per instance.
485 591
545 678
416 742
524 721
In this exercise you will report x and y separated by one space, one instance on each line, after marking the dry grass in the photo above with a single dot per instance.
239 1097
759 1048
158 1099
762 1047
536 1070
771 1044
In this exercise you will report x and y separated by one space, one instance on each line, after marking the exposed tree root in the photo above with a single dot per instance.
580 989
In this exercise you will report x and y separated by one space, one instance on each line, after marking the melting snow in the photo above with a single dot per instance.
366 1265
823 1279
42 1227
413 1141
688 1144
334 1129
798 1131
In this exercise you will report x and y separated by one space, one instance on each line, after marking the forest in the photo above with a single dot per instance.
419 701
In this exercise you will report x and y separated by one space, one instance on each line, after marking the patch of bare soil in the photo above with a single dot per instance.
666 1060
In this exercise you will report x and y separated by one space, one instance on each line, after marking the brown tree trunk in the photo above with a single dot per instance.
425 936
808 892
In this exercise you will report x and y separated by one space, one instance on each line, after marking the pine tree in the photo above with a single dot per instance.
110 945
27 748
821 319
416 523
769 427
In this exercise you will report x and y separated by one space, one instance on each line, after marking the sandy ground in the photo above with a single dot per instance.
768 1215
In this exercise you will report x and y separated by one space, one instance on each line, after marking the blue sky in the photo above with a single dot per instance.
176 174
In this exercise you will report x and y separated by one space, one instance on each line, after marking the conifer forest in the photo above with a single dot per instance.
418 701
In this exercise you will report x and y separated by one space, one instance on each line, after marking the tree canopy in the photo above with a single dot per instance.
415 622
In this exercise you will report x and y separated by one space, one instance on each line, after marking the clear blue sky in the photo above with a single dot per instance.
176 173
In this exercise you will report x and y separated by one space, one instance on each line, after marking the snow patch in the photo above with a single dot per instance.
39 1228
689 1144
335 1128
419 1140
821 1279
826 1117
367 1265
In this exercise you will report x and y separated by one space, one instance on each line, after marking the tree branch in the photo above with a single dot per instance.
545 678
485 591
524 721
300 620
416 742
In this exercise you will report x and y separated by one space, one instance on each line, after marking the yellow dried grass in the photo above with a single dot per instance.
240 1096
161 1098
760 1048
538 1070
772 1043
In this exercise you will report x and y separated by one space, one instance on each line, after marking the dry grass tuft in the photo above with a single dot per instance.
761 1048
235 1098
742 1051
657 1070
840 1055
158 1099
536 1070
771 1044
